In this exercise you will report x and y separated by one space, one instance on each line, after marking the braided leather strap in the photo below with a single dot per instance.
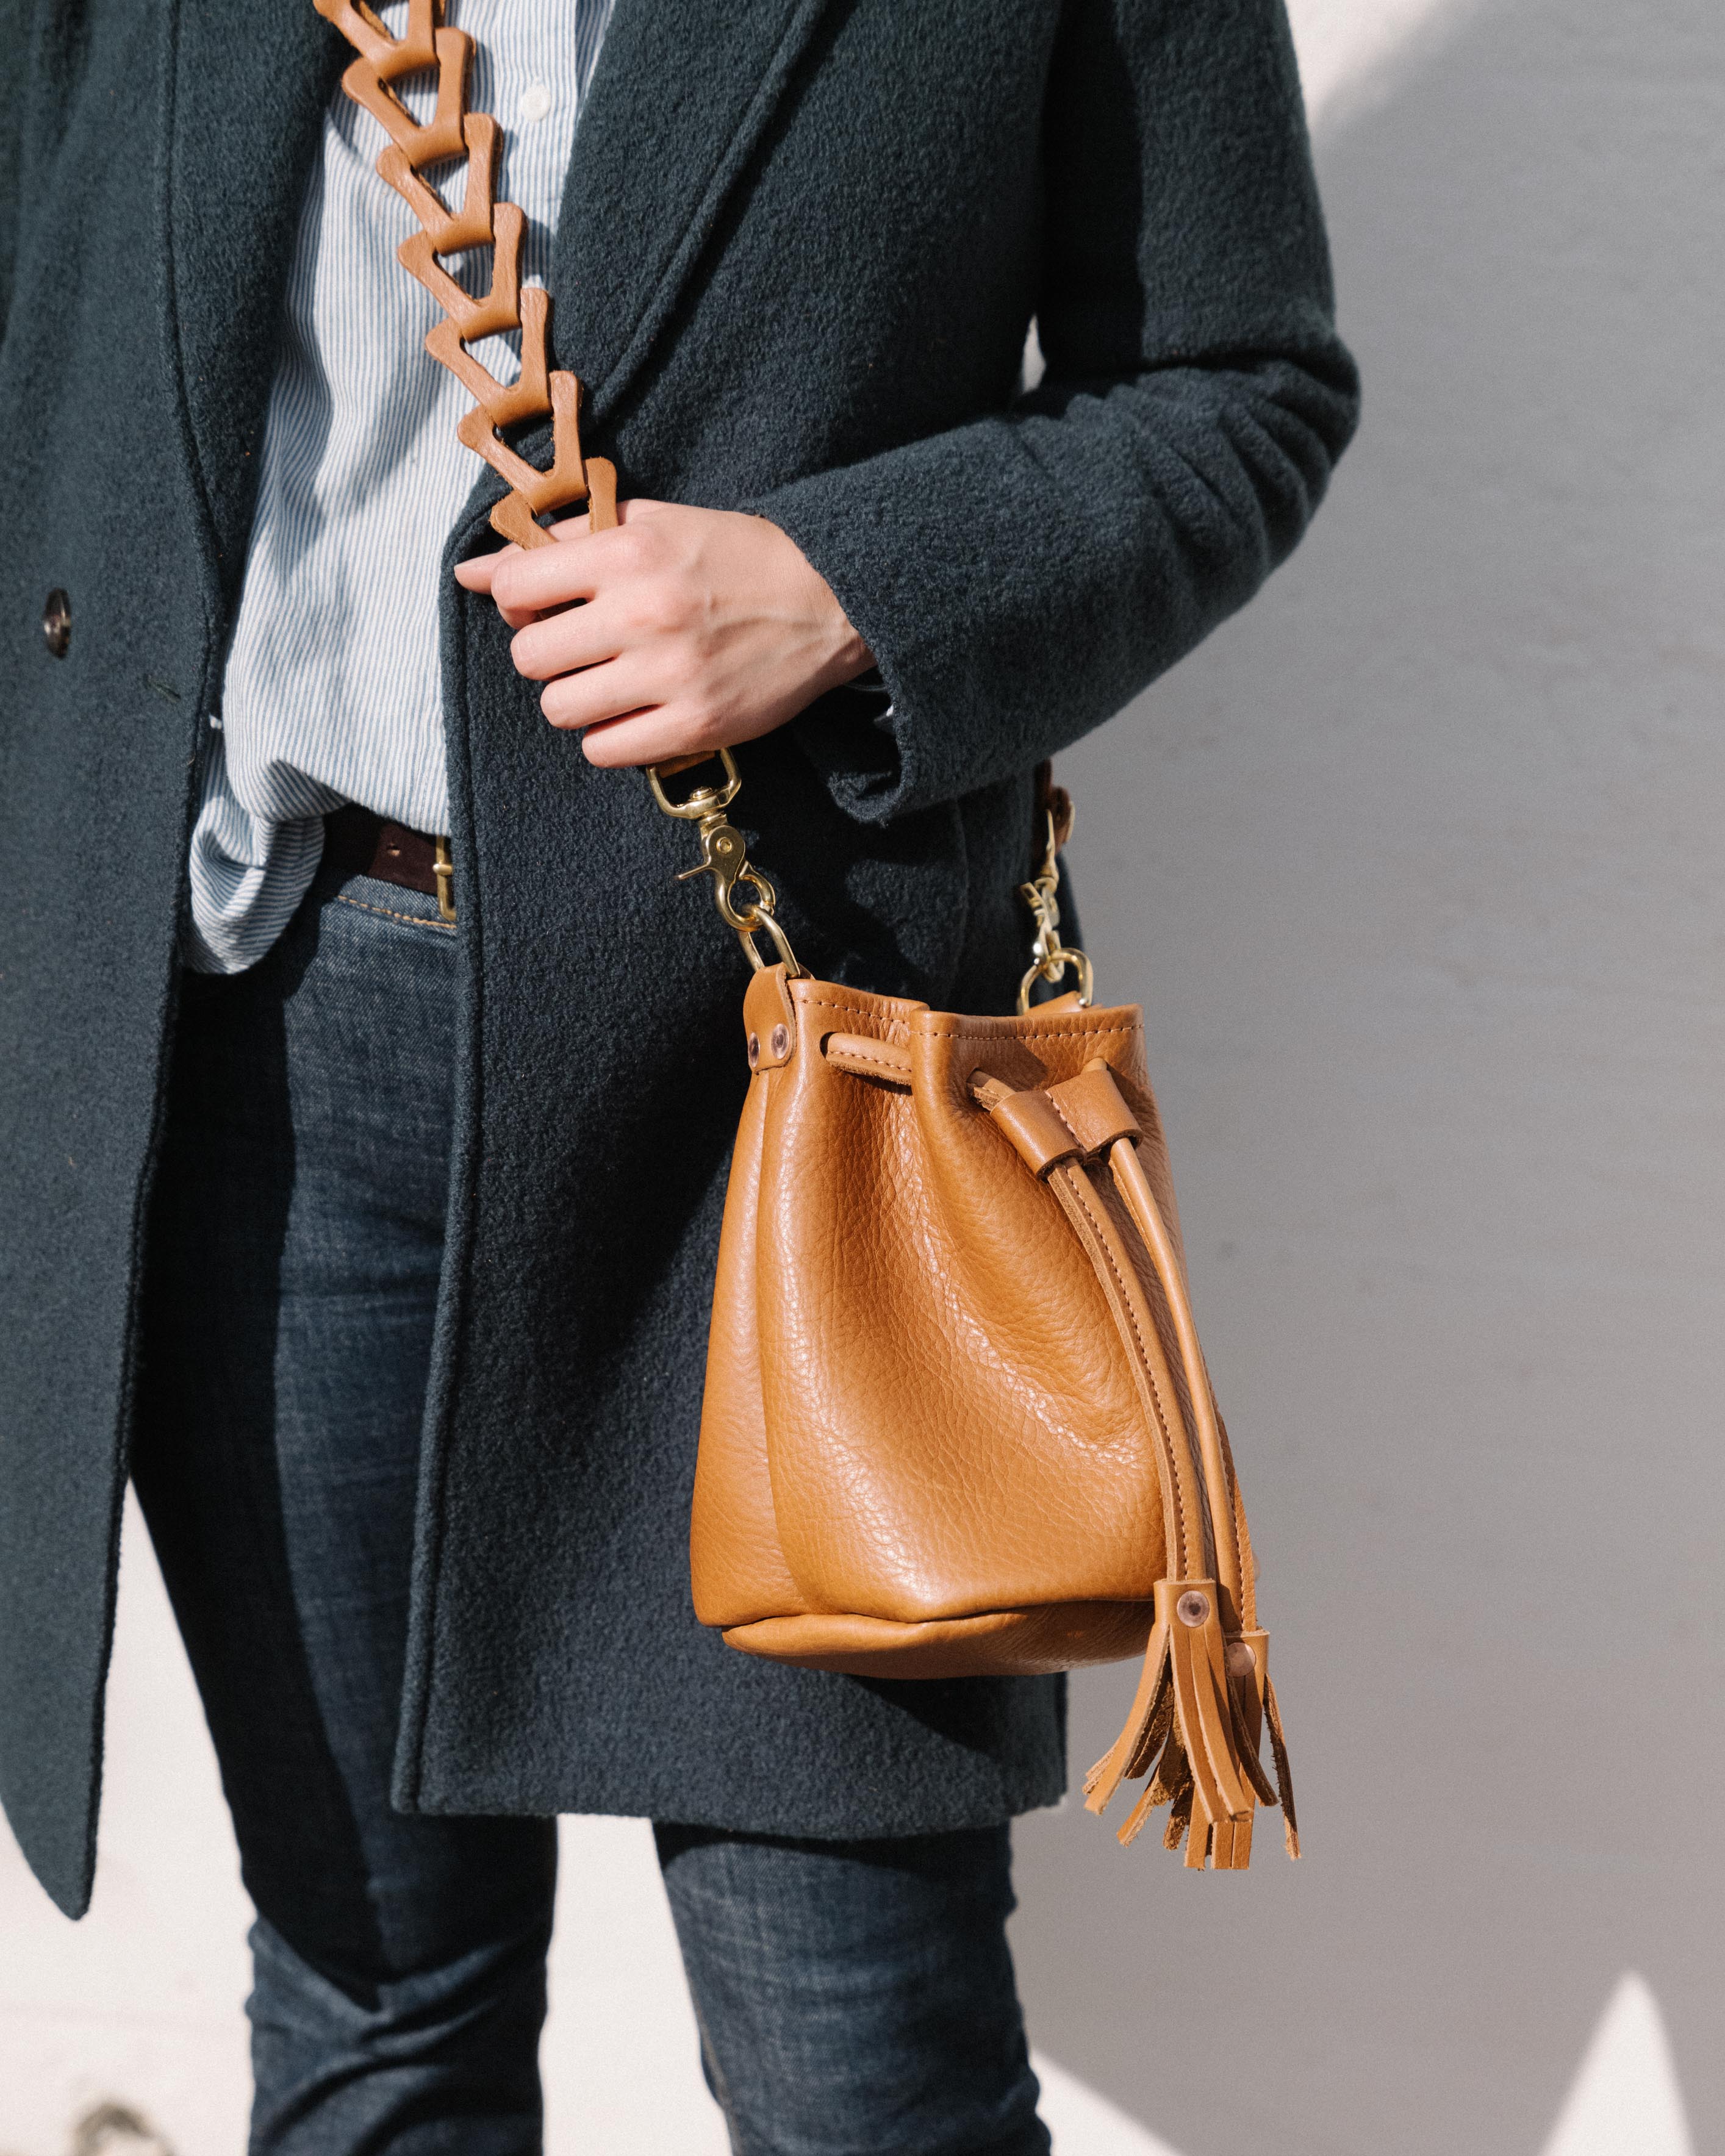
482 221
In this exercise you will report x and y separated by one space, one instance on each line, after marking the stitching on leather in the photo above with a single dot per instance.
1083 1194
965 1617
1213 1527
389 913
958 1033
894 1064
1061 1117
851 1010
1042 1032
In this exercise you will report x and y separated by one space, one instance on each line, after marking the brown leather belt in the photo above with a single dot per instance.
359 842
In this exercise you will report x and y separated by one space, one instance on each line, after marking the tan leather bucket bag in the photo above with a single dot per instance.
956 1420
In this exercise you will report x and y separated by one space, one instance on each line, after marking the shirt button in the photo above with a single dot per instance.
57 622
535 104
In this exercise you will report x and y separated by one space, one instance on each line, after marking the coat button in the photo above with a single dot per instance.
57 622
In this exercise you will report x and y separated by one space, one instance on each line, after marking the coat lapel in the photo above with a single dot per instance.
249 85
681 96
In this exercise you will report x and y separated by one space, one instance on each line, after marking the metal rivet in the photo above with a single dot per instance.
57 622
1193 1609
1241 1661
779 1040
754 1051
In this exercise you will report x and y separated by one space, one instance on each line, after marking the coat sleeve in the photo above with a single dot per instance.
1022 578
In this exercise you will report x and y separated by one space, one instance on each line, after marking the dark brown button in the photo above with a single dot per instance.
754 1050
779 1041
57 622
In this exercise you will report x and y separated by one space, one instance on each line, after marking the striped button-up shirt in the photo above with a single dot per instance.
331 689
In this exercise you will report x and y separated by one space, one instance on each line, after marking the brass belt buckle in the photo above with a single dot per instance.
444 869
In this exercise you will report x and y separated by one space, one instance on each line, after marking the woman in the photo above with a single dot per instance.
377 1245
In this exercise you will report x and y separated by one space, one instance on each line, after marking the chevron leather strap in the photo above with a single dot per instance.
958 1421
454 132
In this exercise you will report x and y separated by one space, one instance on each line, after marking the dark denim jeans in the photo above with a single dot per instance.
852 1997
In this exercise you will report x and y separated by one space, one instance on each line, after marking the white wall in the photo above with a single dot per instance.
1417 871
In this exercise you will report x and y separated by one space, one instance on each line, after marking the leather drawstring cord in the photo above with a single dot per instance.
1204 1690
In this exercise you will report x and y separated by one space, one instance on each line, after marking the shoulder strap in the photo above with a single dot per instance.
453 131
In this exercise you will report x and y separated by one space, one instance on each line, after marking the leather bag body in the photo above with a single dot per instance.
923 1452
956 1421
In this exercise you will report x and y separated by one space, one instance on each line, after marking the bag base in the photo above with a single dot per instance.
1059 1635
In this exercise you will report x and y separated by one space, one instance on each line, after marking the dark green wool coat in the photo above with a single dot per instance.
800 244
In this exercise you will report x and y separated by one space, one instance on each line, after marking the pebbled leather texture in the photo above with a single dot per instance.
957 1420
910 1361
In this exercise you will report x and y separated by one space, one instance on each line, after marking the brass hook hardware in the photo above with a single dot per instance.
724 856
1050 957
705 800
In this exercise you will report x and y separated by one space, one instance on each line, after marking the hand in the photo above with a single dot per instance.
700 628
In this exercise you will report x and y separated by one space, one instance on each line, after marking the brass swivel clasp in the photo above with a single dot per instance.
724 857
1050 957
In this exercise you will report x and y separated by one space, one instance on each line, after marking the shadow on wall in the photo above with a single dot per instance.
1416 869
113 2129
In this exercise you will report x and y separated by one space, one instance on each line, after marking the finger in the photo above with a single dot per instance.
476 575
562 643
554 576
651 735
637 506
572 527
527 583
666 725
597 693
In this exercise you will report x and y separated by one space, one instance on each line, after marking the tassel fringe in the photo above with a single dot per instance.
1284 1773
1195 1728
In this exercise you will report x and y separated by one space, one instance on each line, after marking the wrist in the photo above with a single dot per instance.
847 657
852 658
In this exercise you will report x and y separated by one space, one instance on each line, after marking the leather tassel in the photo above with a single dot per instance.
1284 1774
1131 1751
1199 1713
1170 1784
1246 1690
